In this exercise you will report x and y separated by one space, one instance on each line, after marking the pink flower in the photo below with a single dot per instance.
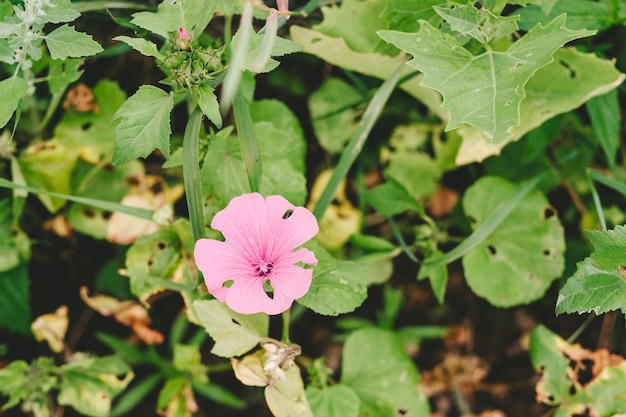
258 254
283 5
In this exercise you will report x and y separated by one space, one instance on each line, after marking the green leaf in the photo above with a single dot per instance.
604 113
59 11
62 73
437 274
11 90
144 125
193 16
234 334
518 261
547 357
65 41
480 24
247 142
187 358
15 312
485 90
14 243
143 46
334 401
333 113
416 172
376 367
599 283
391 198
404 15
30 384
90 384
280 47
338 286
209 105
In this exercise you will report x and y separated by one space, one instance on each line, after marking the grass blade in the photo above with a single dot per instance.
247 142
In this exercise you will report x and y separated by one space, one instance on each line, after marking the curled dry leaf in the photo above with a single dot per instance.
52 328
81 98
461 372
130 313
581 359
442 202
249 370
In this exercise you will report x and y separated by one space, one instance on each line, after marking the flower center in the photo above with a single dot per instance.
263 268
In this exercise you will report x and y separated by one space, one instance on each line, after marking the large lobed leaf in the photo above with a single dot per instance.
599 283
144 126
193 16
484 90
65 41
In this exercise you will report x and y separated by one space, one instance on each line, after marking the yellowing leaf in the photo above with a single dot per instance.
52 328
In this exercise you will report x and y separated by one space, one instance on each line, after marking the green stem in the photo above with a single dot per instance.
247 141
286 319
191 173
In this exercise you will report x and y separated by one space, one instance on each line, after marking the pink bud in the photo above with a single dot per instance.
183 39
283 5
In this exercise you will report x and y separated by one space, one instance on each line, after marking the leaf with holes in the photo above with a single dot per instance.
377 368
599 283
518 261
484 90
234 334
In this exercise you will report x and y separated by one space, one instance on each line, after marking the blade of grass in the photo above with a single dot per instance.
135 395
354 147
191 173
247 142
483 231
92 202
620 187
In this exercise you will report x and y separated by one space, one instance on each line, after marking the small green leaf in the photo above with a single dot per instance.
416 172
280 47
209 105
234 334
32 383
391 198
334 401
599 283
437 274
90 384
143 46
65 41
144 125
59 11
605 116
518 261
11 90
338 286
485 90
63 72
547 357
376 367
14 243
193 16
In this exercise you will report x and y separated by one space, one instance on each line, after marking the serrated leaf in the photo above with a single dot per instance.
209 105
338 286
65 41
334 401
480 24
62 73
484 91
193 16
599 283
376 367
404 15
280 47
143 46
11 90
516 263
234 334
90 384
59 11
144 125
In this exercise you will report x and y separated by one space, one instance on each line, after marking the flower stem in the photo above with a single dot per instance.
286 319
191 173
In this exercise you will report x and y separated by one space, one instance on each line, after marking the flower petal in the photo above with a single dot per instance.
247 296
219 264
289 226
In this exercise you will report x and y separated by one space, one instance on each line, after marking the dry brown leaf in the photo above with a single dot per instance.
460 372
581 358
52 328
130 313
441 203
80 98
124 229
